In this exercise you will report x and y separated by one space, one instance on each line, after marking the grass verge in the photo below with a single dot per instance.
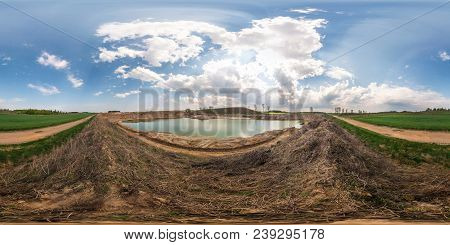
16 153
404 151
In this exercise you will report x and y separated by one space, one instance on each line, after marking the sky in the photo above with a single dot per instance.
162 55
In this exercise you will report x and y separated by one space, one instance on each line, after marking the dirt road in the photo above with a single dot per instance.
19 137
422 136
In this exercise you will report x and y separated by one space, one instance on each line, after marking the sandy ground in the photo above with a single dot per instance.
19 137
411 135
198 152
317 174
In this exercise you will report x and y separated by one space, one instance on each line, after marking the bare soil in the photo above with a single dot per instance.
20 137
318 174
423 136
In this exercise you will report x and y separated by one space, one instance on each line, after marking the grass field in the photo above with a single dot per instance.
14 121
16 153
404 151
436 121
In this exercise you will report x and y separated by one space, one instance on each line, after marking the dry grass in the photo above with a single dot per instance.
320 173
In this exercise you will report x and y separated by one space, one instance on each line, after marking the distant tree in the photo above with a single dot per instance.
256 107
262 107
337 110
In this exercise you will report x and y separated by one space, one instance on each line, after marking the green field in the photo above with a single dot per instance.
406 152
15 121
436 121
17 153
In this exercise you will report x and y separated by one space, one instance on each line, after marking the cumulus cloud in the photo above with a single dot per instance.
54 61
5 59
269 50
160 42
44 89
374 97
76 82
126 94
98 93
272 53
307 10
121 52
444 56
139 73
338 73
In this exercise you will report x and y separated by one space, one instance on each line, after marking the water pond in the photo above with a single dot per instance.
220 128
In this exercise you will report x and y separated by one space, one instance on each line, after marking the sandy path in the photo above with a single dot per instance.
19 137
438 137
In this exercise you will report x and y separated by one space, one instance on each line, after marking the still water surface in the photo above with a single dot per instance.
220 128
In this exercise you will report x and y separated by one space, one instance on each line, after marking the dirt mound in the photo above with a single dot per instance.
320 173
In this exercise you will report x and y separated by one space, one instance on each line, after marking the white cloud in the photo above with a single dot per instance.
444 56
11 103
45 89
126 94
98 93
76 82
339 73
5 60
121 52
271 53
269 50
16 100
54 61
374 97
121 70
139 73
307 10
160 42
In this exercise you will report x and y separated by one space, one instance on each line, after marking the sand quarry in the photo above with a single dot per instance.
317 174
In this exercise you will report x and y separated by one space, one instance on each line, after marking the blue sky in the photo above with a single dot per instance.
40 67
